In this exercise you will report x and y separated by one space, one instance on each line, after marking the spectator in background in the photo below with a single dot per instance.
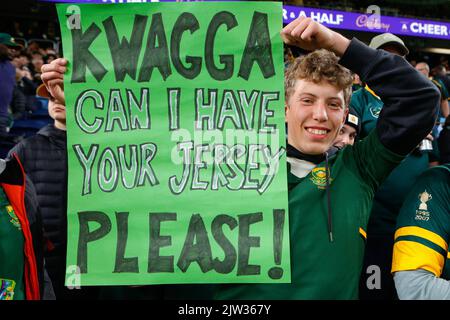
357 83
14 48
24 97
349 131
424 69
22 275
32 47
22 271
50 56
37 61
22 62
288 56
7 81
420 262
44 158
25 60
18 62
440 73
26 85
19 100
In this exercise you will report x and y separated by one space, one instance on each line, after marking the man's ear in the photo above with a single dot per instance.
346 111
286 110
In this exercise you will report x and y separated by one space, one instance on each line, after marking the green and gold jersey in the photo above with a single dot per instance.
423 226
368 107
322 269
11 252
391 194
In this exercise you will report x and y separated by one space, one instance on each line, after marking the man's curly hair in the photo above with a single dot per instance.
320 65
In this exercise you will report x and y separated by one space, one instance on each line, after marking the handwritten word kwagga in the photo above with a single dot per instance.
125 54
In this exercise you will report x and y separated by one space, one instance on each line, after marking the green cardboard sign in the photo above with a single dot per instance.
176 143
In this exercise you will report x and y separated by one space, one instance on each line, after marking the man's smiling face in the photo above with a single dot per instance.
315 113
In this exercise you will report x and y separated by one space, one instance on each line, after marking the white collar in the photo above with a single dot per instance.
300 168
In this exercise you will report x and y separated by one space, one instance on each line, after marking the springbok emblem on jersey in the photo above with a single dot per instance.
375 111
14 220
319 177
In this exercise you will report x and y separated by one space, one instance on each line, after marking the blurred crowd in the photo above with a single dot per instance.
21 71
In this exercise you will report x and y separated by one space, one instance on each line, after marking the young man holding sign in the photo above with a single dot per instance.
330 197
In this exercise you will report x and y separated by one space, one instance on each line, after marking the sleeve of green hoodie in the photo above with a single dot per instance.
410 100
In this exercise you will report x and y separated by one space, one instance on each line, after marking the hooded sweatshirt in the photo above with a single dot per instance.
329 206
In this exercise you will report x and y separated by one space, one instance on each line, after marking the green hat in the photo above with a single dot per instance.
388 38
7 40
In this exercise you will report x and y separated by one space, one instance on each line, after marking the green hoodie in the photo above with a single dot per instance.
322 269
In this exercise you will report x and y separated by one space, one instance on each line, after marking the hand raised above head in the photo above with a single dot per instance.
310 35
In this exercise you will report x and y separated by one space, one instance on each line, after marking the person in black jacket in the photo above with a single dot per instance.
22 275
45 160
